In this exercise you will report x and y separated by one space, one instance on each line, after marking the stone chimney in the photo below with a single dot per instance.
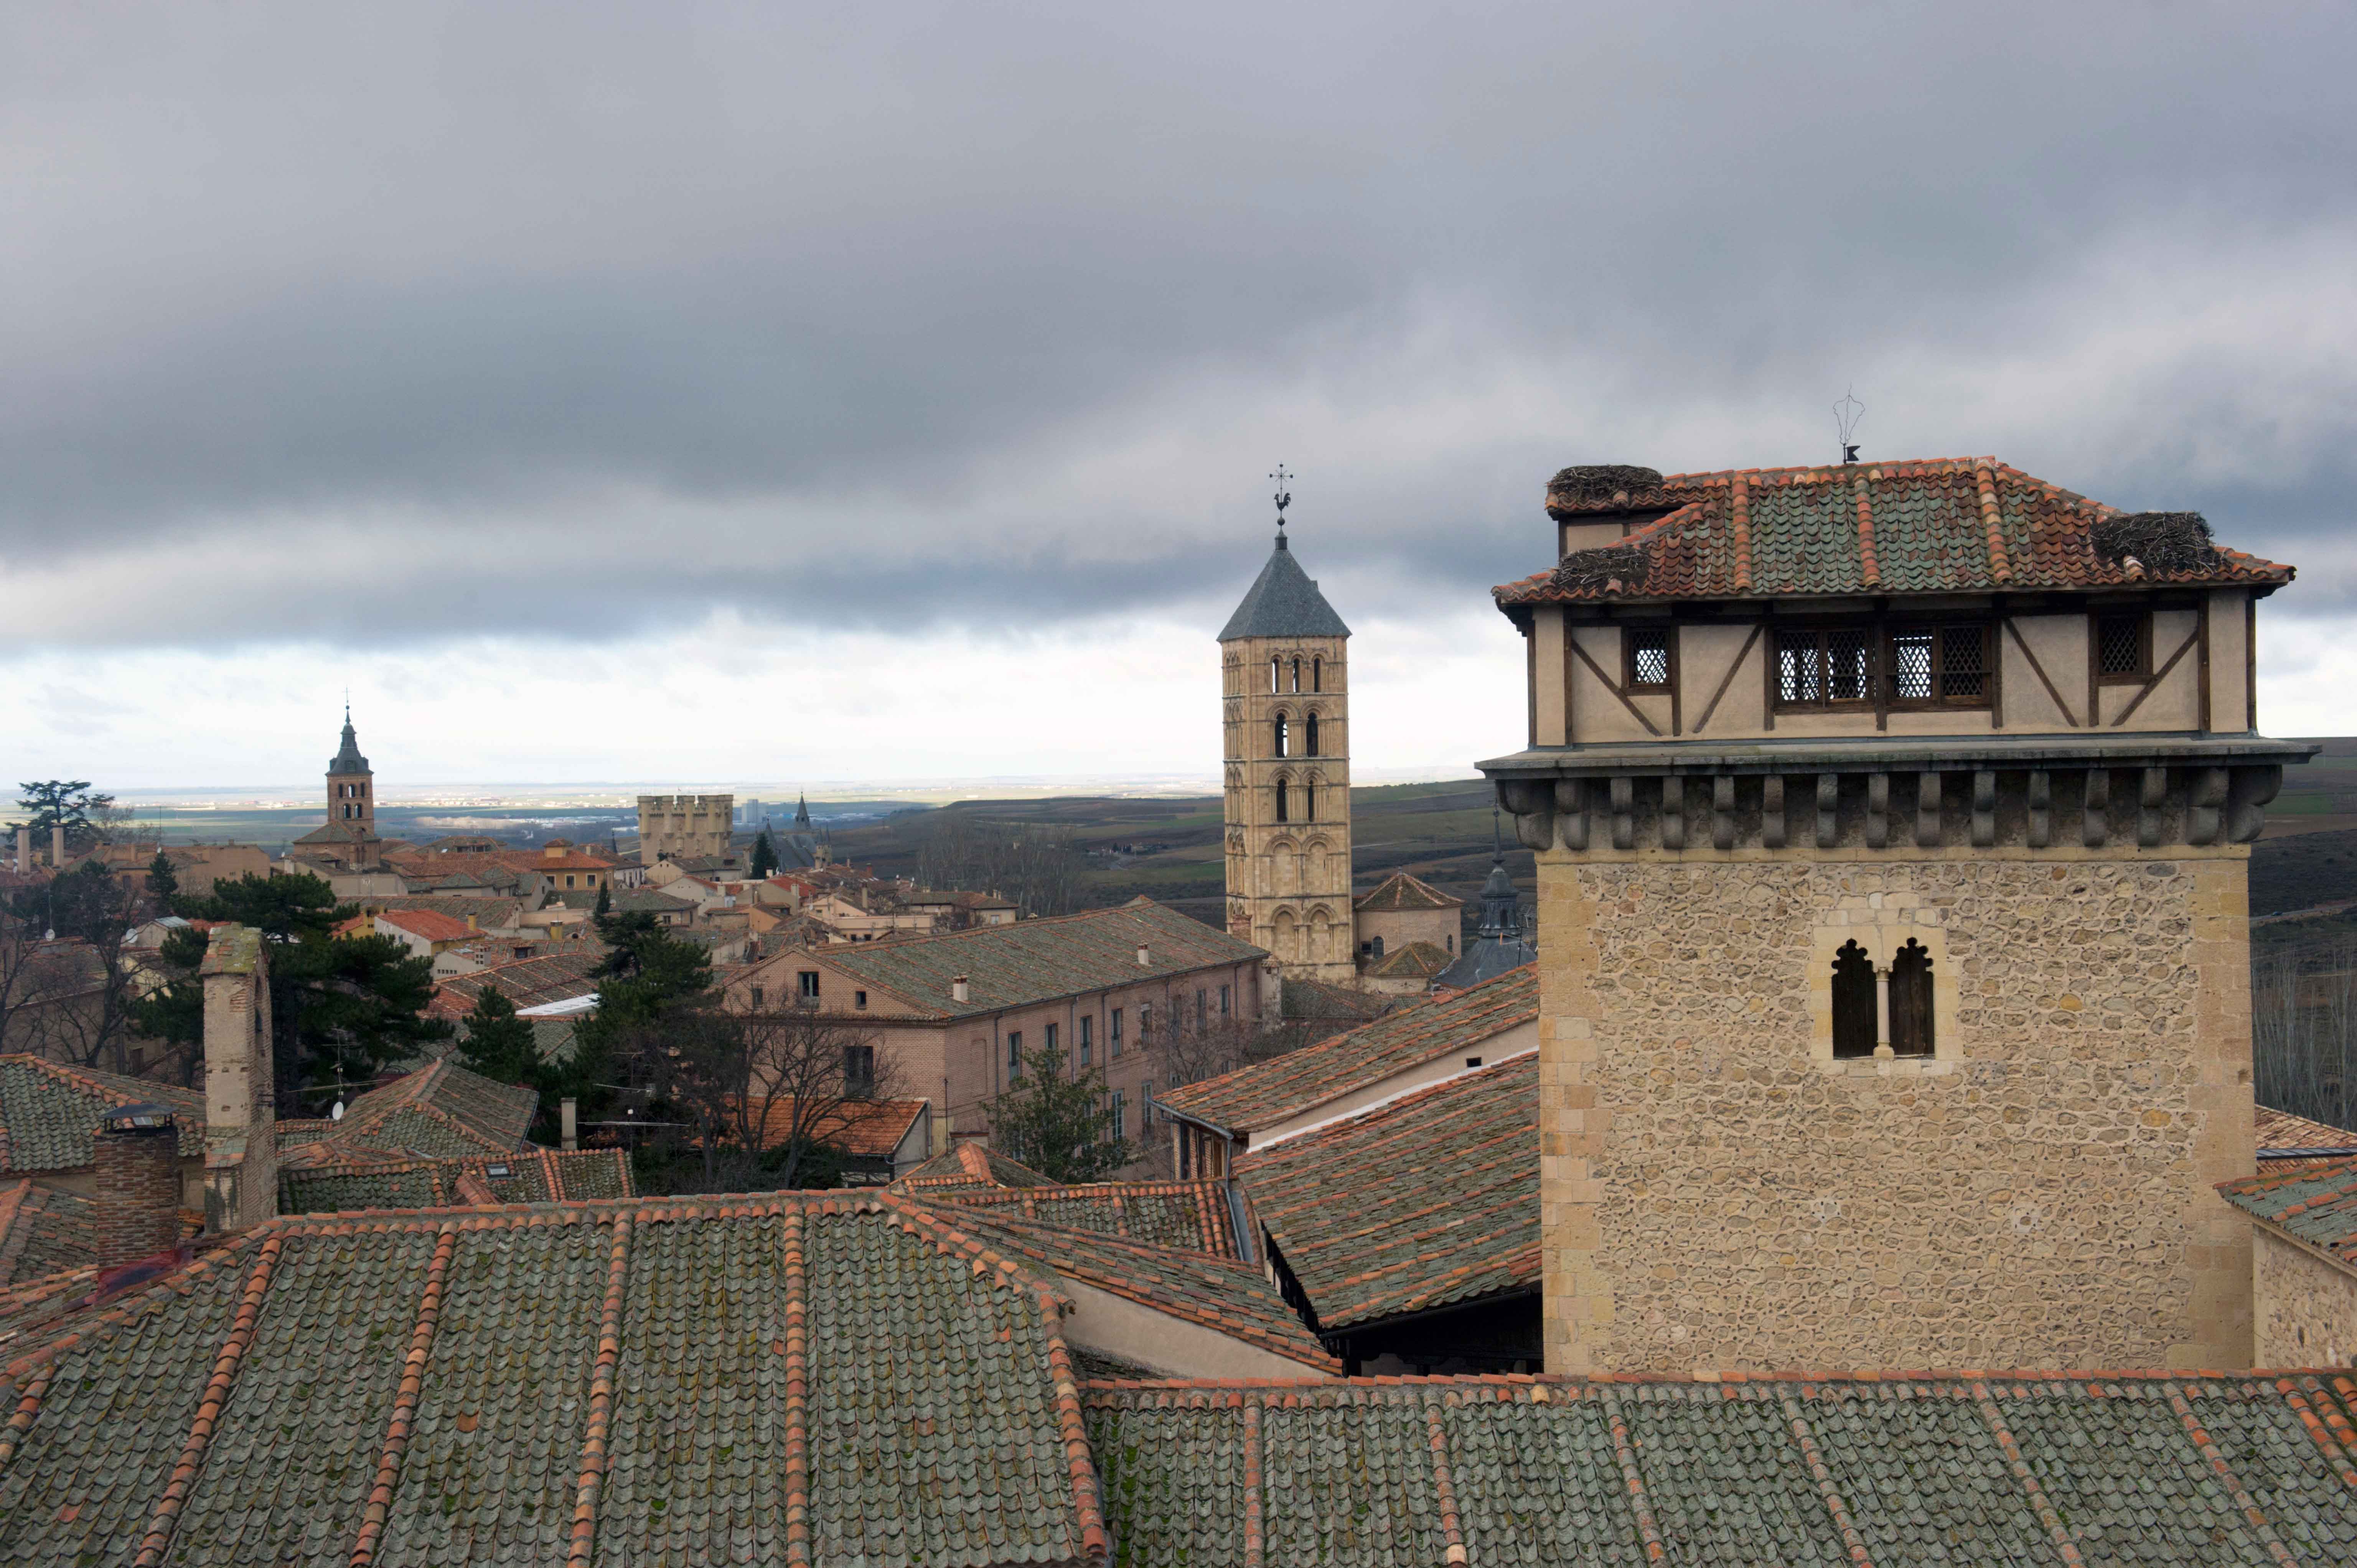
1145 956
959 990
241 1091
568 1122
24 849
136 1211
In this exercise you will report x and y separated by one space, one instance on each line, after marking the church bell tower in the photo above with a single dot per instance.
1283 659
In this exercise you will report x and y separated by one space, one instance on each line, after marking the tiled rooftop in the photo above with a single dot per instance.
441 1111
778 1379
872 1129
1269 1091
1427 1201
2282 1130
1400 891
532 1175
1187 1214
429 925
1224 1294
1038 960
1944 525
1417 961
1911 1468
970 1164
49 1111
527 982
2316 1203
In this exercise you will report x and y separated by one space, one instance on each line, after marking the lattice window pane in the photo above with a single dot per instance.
2119 645
1848 664
1800 675
1963 664
1649 657
1911 657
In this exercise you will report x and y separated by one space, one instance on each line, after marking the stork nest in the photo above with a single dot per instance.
1608 568
2162 542
1599 482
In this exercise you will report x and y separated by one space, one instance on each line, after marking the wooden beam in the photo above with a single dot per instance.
1729 679
1609 685
2039 670
2158 676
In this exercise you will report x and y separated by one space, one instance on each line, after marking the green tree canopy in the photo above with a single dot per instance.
765 855
1057 1123
496 1043
63 802
163 881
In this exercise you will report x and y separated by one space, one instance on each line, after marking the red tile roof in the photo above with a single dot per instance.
1270 1091
429 926
2316 1203
969 1162
872 1129
1943 525
2282 1130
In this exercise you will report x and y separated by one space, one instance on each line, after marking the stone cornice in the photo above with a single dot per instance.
2035 793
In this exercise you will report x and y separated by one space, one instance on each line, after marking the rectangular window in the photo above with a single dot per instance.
1052 1037
1939 666
757 999
859 999
859 1070
1014 1053
1223 1000
1646 652
1087 1041
808 981
1202 1009
1824 667
1113 1033
1145 1023
1120 1117
2124 647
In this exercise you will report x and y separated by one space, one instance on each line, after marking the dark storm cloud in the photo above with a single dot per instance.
835 313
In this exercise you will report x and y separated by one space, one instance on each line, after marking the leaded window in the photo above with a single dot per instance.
1939 664
2122 647
1649 657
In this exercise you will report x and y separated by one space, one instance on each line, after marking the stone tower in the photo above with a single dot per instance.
1285 715
351 787
1892 824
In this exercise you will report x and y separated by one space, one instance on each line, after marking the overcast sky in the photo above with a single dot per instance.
677 392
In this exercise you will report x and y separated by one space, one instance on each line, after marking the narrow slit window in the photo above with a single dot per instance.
1278 734
1318 674
1309 736
1854 1003
1284 806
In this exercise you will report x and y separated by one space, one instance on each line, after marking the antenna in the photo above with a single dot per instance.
1849 414
1284 493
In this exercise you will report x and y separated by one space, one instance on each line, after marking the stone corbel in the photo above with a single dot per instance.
2247 800
1771 811
1927 811
1624 813
1829 810
1877 810
1571 812
1983 807
1532 805
2152 790
2041 809
1722 811
2095 811
2205 800
1673 811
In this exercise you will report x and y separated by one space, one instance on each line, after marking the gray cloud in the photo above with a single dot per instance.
963 314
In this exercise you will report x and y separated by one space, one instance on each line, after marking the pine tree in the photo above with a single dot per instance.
765 855
499 1045
1056 1123
605 901
163 881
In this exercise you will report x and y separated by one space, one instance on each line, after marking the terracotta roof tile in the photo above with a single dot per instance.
1942 525
2316 1203
1402 891
1427 1201
2282 1130
528 1176
49 1113
1191 1215
1270 1091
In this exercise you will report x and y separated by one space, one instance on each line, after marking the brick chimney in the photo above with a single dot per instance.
240 1092
137 1208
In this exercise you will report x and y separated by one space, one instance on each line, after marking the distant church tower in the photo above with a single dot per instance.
351 787
1283 659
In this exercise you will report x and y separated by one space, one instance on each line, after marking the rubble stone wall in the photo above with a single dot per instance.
2307 1306
1719 1193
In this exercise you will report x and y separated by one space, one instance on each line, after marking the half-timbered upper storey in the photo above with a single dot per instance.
1956 597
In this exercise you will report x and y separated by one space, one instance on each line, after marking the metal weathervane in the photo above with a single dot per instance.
1849 414
1283 493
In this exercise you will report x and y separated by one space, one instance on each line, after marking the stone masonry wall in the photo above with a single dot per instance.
2307 1306
1718 1193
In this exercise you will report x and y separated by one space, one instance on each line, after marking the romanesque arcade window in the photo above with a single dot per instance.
1278 734
1283 805
1311 738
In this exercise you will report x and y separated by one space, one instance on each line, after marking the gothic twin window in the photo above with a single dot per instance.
1859 1023
1901 667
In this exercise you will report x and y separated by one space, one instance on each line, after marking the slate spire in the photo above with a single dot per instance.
349 759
